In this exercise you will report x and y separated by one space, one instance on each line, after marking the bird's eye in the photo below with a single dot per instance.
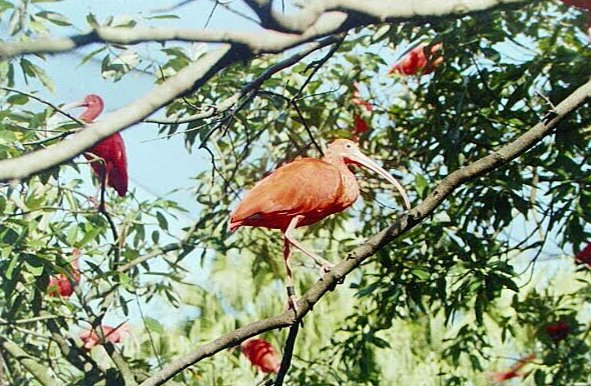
349 145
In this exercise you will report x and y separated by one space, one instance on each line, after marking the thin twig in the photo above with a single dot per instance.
32 96
215 5
317 65
249 87
297 109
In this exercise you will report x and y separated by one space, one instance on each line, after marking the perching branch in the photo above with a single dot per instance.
197 73
409 220
41 100
316 19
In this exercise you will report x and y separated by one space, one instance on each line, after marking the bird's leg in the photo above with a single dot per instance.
325 265
103 188
292 302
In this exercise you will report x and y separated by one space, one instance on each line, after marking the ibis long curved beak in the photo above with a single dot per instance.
363 160
72 105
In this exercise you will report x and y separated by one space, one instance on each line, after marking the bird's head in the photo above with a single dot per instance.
94 106
349 152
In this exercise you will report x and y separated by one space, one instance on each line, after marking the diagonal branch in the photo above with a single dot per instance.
39 371
445 188
41 100
192 76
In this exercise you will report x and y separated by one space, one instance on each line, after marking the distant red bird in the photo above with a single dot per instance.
357 100
584 257
303 192
111 334
586 4
111 165
62 284
558 331
502 376
418 61
360 124
261 354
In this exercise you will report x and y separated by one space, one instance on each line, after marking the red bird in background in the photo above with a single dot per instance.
109 159
304 192
360 125
502 376
586 4
558 331
419 60
62 284
113 335
261 354
584 256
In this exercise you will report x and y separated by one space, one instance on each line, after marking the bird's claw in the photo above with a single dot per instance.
292 301
324 269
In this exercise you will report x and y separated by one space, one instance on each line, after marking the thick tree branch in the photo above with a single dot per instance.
39 371
185 80
409 220
317 19
121 364
199 72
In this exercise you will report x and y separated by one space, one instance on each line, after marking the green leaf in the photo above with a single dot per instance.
421 185
154 325
162 222
11 266
55 18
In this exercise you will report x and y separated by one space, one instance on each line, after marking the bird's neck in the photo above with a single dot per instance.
348 180
90 114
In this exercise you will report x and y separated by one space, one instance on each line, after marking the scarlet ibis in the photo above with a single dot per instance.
584 256
109 159
418 61
261 354
558 331
357 100
360 124
586 4
62 284
111 334
303 192
502 376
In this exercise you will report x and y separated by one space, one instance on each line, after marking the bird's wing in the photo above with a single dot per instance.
112 150
118 173
297 187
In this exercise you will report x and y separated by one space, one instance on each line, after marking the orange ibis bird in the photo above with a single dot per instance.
304 192
62 284
585 4
513 372
418 62
108 157
261 354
